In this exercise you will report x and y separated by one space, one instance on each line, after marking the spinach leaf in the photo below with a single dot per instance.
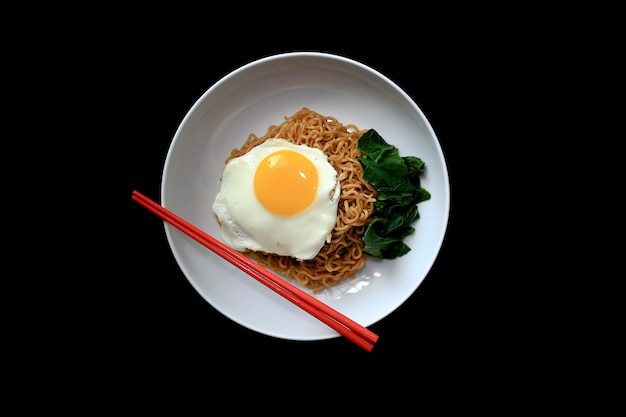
398 182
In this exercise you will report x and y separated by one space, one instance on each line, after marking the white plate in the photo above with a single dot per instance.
250 99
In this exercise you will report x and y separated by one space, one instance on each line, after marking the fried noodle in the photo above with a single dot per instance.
344 255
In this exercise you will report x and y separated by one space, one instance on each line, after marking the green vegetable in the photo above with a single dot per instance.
398 182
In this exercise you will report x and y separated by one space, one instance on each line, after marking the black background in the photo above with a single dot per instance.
101 311
129 312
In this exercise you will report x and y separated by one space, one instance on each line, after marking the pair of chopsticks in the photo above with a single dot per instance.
342 324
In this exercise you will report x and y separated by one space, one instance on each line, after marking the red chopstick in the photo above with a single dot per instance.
342 324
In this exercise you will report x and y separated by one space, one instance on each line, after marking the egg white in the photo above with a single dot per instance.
246 224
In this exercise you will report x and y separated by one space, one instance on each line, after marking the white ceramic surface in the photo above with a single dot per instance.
250 99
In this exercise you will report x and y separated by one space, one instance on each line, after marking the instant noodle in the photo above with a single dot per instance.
344 255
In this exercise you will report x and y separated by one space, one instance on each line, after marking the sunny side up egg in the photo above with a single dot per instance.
279 198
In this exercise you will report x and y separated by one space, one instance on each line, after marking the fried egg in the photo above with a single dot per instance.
279 198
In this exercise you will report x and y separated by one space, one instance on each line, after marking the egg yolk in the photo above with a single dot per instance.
285 182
